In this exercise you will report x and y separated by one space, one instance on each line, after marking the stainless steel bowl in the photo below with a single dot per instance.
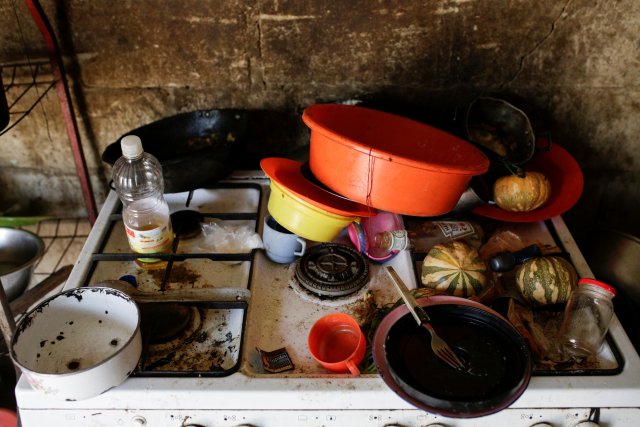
19 251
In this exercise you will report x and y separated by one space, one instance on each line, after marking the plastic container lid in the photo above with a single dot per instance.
8 418
131 146
567 183
288 174
602 285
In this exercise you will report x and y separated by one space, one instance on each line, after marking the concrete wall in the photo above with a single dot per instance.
571 65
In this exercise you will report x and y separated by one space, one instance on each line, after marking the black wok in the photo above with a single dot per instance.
498 359
196 149
4 106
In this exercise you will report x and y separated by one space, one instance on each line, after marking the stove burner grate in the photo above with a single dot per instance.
332 270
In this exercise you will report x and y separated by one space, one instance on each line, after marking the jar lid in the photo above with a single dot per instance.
588 281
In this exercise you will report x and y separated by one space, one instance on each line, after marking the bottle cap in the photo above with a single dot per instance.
588 281
131 146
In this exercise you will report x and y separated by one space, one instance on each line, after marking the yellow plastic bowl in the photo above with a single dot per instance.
304 219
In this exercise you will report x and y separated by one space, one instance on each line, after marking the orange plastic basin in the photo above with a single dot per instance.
389 162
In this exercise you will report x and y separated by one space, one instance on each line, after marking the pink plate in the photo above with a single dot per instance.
567 182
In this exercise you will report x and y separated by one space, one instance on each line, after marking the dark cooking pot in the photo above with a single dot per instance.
498 359
195 149
501 129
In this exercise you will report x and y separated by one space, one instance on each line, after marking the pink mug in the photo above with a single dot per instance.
337 343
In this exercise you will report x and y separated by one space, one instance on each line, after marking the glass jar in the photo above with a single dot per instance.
586 318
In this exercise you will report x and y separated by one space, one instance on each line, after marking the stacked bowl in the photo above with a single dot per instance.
363 160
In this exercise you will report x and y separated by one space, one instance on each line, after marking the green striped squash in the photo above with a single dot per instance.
546 280
454 268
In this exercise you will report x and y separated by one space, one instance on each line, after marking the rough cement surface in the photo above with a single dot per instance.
572 65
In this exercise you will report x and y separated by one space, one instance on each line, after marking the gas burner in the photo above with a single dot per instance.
186 223
332 270
169 325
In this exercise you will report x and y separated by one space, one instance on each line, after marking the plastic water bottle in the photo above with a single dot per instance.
137 177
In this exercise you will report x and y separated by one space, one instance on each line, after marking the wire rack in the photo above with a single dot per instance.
63 239
25 85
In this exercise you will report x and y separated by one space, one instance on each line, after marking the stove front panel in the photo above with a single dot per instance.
618 417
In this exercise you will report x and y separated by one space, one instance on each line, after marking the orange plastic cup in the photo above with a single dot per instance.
337 343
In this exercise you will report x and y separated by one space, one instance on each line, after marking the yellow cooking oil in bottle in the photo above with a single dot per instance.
137 177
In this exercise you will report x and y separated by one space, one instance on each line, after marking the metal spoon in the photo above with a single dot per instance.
179 295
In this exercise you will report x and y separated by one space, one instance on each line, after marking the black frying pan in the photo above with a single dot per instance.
196 149
4 106
498 358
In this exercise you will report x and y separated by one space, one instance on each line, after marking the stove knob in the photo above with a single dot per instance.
139 421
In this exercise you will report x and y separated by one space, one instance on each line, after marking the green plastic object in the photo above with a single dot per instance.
21 221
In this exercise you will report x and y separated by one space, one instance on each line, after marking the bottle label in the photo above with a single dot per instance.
150 241
455 229
399 240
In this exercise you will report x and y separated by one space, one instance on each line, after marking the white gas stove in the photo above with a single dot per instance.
215 377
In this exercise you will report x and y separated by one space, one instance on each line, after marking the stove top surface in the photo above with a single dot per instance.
218 359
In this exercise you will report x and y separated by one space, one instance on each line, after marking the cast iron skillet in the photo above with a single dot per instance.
498 358
195 149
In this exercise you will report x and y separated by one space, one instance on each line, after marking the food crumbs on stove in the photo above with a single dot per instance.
37 355
202 337
43 343
100 321
180 273
114 342
229 336
106 312
73 365
59 337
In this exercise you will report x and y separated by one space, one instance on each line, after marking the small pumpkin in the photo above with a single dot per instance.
455 268
546 280
521 194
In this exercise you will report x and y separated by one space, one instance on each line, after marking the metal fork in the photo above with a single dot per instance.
438 345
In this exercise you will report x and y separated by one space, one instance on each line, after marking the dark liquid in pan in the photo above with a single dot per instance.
494 362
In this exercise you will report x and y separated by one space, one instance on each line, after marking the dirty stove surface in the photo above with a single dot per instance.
210 368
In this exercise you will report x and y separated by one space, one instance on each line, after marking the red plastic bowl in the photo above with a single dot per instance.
389 162
564 175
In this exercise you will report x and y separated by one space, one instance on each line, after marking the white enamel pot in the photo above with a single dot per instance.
79 343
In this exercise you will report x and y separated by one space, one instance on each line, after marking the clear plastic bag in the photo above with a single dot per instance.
225 237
